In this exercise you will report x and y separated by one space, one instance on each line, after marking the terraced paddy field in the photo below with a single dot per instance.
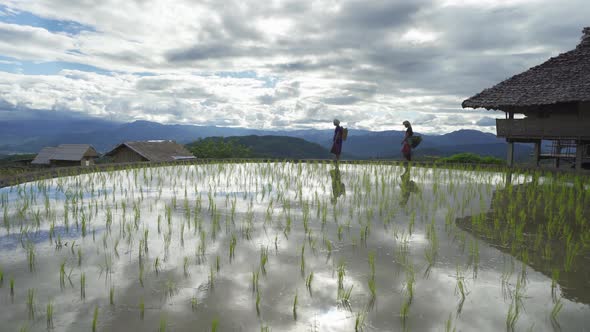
296 247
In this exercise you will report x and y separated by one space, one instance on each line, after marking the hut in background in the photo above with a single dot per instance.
153 151
554 98
66 155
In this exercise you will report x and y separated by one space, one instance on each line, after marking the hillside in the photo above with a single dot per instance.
30 136
280 147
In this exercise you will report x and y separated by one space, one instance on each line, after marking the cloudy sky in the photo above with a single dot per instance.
275 64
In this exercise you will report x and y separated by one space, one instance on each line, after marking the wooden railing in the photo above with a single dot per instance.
543 129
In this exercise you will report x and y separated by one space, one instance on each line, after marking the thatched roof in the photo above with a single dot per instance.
44 156
73 152
562 79
156 151
68 152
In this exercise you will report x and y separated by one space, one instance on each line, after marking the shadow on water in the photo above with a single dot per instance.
14 240
544 226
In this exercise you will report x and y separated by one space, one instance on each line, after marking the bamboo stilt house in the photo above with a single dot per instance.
554 98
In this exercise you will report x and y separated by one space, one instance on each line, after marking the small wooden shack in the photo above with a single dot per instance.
154 151
66 155
554 98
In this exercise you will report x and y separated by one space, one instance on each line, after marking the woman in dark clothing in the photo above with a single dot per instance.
406 147
337 140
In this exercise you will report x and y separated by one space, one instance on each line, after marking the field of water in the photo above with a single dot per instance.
296 247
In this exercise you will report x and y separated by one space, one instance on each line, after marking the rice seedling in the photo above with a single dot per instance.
359 322
511 317
214 325
31 256
185 266
344 296
1 277
163 324
372 286
295 302
555 311
49 314
263 259
341 271
112 295
258 302
211 276
302 260
449 324
554 279
308 281
31 303
255 277
404 311
194 303
232 247
95 319
83 286
141 308
157 265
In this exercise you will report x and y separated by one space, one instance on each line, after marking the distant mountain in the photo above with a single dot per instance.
31 135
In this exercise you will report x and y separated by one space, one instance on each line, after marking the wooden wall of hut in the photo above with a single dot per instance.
126 155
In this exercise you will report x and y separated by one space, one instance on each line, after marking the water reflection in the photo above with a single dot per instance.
407 186
521 222
338 187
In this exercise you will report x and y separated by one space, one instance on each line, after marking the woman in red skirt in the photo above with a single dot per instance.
406 147
337 140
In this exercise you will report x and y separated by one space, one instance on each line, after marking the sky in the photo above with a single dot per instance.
275 64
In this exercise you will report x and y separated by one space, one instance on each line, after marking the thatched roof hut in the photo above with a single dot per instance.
66 155
555 99
154 151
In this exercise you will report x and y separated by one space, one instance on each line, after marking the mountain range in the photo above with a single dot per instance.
31 135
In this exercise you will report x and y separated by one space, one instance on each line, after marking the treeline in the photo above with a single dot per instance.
278 147
218 147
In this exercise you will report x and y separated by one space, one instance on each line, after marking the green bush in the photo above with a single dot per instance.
471 158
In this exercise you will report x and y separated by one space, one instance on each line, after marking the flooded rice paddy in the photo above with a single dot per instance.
296 247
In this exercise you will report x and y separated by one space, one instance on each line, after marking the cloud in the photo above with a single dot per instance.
486 122
290 63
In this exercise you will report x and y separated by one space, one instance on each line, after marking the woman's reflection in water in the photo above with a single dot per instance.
338 188
408 186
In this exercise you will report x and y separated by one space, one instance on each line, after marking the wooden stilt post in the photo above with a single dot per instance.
579 155
537 153
510 157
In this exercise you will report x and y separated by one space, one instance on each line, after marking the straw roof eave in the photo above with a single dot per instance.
563 79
